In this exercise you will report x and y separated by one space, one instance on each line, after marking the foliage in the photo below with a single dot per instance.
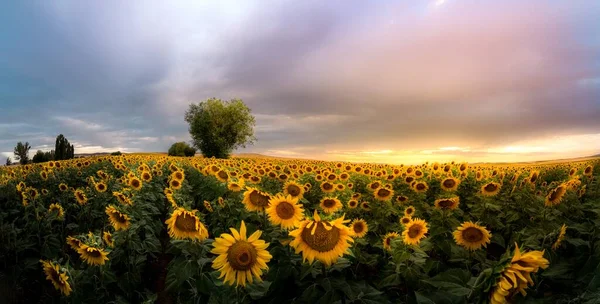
63 149
146 265
22 152
117 153
181 149
41 156
218 127
8 161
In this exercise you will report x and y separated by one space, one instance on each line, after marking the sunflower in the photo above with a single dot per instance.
63 187
420 187
359 228
208 206
293 189
325 241
58 278
327 187
240 259
120 221
561 237
56 209
340 187
100 187
387 240
146 176
285 211
414 231
222 176
409 211
122 198
108 239
255 200
450 203
365 206
450 184
471 236
383 194
555 196
135 183
490 189
517 275
178 175
175 184
588 171
74 243
92 255
330 204
236 186
374 186
405 220
352 203
80 197
183 224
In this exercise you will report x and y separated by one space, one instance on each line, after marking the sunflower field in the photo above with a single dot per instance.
157 229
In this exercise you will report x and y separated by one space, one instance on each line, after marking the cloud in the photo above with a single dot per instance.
319 76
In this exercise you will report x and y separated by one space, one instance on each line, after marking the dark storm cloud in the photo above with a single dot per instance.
320 76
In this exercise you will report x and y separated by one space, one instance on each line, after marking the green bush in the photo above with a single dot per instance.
181 149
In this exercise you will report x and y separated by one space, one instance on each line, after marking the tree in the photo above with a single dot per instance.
22 152
218 127
63 149
8 161
41 156
181 149
116 153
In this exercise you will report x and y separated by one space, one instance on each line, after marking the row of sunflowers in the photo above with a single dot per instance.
152 228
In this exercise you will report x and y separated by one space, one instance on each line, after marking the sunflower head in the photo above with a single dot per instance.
135 183
383 194
100 187
80 197
420 187
57 210
119 220
414 231
471 236
108 239
359 228
490 189
184 224
330 204
285 211
325 241
293 189
409 211
365 206
327 187
352 204
405 220
450 184
57 276
556 195
93 255
255 200
387 240
450 203
240 258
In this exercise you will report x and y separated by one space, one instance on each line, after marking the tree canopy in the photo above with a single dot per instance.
218 127
181 149
22 152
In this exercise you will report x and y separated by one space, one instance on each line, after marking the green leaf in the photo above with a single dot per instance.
258 290
421 299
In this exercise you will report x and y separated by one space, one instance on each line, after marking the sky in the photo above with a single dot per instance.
363 81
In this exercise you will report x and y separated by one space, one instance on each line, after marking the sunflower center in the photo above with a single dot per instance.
352 203
472 235
258 199
186 223
293 190
55 277
358 227
94 253
329 203
375 186
223 174
414 231
420 187
588 170
322 240
135 183
449 183
80 196
383 192
490 187
241 256
285 210
327 186
178 175
446 203
405 221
